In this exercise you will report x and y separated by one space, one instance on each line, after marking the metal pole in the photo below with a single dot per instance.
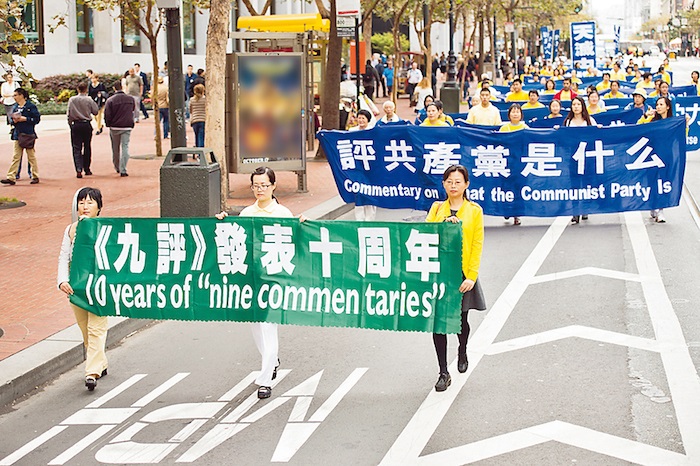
176 83
494 51
357 58
451 58
513 53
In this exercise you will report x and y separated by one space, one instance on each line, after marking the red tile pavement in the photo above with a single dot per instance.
31 307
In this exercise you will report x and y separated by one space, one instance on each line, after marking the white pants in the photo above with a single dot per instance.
365 213
265 337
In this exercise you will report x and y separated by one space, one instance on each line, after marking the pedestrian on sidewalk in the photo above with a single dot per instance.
146 88
98 92
163 106
458 209
133 86
189 84
80 110
8 89
119 118
25 116
263 184
198 114
87 204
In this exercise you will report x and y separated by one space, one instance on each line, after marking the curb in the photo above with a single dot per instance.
24 372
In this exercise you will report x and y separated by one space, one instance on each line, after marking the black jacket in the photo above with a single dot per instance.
119 111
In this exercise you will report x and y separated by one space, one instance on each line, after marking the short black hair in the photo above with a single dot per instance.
533 91
137 64
365 113
517 80
93 193
607 74
23 91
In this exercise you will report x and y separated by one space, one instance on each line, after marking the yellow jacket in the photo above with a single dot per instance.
472 218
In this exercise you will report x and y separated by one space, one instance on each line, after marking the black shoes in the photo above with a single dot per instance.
88 173
443 382
90 382
8 181
575 219
123 174
99 131
104 372
274 372
34 181
462 363
584 217
264 392
78 175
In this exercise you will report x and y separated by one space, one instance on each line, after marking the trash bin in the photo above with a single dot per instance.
190 183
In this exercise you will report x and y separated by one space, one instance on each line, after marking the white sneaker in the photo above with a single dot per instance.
660 217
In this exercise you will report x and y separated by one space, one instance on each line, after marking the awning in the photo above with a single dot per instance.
285 23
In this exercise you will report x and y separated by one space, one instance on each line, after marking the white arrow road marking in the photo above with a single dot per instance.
116 391
158 391
683 381
81 445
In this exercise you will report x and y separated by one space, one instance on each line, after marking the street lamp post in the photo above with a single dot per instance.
449 94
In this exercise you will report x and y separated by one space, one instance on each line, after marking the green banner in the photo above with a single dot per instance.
378 275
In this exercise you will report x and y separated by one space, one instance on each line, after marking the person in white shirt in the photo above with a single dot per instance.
263 184
485 113
414 77
8 89
390 115
87 203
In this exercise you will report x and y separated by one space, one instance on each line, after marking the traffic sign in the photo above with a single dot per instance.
346 32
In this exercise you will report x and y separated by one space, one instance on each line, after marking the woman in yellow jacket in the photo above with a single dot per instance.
458 209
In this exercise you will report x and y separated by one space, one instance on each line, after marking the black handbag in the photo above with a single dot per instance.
26 141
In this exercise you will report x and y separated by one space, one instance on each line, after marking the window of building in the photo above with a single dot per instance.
188 27
32 24
84 27
131 37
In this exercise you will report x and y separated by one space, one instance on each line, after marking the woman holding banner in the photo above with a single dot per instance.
578 116
87 203
263 184
515 123
458 209
664 109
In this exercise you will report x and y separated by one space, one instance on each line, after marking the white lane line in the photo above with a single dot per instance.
325 409
188 430
572 331
252 400
81 445
240 386
606 273
116 391
692 204
681 373
416 435
30 446
162 388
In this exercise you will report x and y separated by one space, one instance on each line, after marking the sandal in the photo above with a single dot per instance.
90 382
264 392
274 371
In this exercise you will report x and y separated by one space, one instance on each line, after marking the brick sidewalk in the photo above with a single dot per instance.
31 307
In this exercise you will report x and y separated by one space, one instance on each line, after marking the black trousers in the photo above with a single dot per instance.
80 138
440 342
143 107
382 82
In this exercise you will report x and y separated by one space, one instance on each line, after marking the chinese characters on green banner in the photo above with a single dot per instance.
378 275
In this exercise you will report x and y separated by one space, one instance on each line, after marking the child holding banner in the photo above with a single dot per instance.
263 184
87 203
458 209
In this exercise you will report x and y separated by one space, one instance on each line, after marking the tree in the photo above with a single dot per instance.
437 13
395 10
217 37
330 94
133 11
13 42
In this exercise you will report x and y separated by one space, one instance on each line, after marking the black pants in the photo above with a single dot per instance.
143 108
80 138
369 92
383 84
440 342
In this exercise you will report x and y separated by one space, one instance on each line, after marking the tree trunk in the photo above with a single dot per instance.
330 96
154 99
367 37
215 134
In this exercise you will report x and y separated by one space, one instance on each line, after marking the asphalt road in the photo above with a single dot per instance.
588 354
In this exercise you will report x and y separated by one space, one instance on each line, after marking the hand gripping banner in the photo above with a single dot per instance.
376 275
533 172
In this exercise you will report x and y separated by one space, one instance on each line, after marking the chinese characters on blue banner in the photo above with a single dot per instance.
583 44
536 172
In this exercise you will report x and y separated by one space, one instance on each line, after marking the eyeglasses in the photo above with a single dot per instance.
453 183
260 187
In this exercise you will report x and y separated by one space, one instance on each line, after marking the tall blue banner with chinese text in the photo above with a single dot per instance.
555 43
533 172
583 44
546 39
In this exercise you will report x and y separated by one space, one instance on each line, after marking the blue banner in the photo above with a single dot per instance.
555 43
690 106
583 44
616 31
546 38
535 172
